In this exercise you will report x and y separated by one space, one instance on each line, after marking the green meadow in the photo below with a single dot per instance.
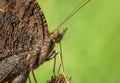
91 45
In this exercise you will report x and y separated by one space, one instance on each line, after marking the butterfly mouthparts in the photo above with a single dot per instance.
63 31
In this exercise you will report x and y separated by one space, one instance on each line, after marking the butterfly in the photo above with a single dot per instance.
25 41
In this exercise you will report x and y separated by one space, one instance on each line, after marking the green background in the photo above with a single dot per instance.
91 46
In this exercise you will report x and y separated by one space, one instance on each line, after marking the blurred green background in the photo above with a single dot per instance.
91 46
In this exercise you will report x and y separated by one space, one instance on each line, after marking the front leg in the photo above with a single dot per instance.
51 56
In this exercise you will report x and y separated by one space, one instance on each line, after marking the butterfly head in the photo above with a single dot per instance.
57 35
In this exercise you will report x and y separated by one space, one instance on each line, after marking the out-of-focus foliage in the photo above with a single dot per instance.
91 46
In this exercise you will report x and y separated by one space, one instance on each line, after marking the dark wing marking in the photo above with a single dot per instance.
11 67
28 11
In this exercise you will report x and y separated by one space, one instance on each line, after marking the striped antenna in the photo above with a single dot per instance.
81 5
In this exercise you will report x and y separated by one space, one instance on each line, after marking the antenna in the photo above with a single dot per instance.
81 5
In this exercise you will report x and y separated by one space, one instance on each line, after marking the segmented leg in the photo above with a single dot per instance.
52 55
29 79
35 80
61 62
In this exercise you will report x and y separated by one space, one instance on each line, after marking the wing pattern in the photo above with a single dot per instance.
25 42
22 28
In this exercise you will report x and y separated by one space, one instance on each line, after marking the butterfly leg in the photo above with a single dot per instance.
34 78
51 56
29 79
62 67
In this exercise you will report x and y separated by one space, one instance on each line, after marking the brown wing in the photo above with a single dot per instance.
18 44
28 11
16 38
22 27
